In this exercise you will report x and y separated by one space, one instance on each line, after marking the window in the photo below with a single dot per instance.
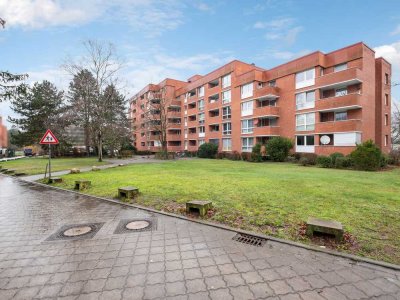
226 81
341 116
305 122
202 129
386 78
346 139
201 91
226 145
247 144
226 112
247 126
386 99
227 128
214 141
201 118
340 92
201 142
247 108
386 119
201 104
305 100
305 78
305 140
246 90
226 97
386 140
340 67
272 83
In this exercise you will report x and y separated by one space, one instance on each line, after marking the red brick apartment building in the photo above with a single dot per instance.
3 135
324 102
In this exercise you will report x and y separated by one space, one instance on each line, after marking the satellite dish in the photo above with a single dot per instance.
325 140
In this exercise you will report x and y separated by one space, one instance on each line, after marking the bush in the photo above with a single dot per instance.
207 150
367 156
291 159
278 148
246 156
394 157
324 161
220 155
308 159
146 152
256 153
384 161
342 162
334 156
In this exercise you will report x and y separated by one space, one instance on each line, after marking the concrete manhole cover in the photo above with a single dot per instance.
76 232
136 225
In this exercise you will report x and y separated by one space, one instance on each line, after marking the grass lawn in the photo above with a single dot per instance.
37 165
272 198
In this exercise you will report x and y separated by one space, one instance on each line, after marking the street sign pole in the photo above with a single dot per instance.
49 163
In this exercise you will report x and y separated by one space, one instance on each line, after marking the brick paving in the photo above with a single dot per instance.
177 260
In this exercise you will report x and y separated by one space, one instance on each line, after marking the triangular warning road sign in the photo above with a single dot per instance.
49 138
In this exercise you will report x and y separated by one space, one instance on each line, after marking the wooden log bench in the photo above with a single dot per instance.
3 170
329 227
127 192
82 184
56 180
75 171
95 168
199 206
19 174
9 171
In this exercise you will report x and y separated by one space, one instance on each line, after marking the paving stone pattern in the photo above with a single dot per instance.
179 260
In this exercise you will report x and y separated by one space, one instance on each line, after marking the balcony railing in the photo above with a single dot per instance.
338 126
266 130
266 111
267 92
339 79
332 103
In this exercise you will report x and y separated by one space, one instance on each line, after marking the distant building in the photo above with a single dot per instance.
325 102
3 135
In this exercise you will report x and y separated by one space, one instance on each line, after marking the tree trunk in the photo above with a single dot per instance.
100 147
87 139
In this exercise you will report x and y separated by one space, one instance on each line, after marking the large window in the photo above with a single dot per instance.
201 118
305 100
226 144
246 90
341 116
226 81
247 126
226 96
247 144
340 92
201 104
340 67
201 91
305 122
247 108
305 78
227 128
201 142
226 112
305 143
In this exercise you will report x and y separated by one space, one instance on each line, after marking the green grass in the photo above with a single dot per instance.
272 198
37 165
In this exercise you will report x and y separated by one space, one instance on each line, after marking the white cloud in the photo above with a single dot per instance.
282 30
281 54
151 16
202 6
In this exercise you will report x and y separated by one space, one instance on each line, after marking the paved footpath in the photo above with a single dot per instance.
178 259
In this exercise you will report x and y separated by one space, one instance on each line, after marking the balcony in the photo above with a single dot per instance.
174 148
266 130
174 114
214 134
332 103
338 126
266 92
173 137
192 136
266 111
339 79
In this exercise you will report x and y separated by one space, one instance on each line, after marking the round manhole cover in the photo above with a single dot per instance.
77 231
137 225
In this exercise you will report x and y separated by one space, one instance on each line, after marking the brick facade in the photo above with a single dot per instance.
324 102
3 135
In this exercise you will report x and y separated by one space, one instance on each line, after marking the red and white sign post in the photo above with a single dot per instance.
49 139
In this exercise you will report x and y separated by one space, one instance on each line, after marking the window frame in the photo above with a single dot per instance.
340 67
308 126
249 110
228 130
249 146
226 100
229 144
305 101
229 82
228 115
340 113
248 129
246 90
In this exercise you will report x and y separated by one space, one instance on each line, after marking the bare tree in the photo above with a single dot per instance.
396 123
157 117
103 63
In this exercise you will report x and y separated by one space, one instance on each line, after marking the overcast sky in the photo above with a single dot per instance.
179 38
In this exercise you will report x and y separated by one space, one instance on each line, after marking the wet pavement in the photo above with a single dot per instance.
176 259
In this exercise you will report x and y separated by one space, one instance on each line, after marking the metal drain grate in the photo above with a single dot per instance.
76 232
136 225
249 239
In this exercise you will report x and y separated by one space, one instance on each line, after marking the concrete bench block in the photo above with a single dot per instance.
19 174
82 184
198 205
95 168
128 192
9 171
56 180
75 171
325 226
